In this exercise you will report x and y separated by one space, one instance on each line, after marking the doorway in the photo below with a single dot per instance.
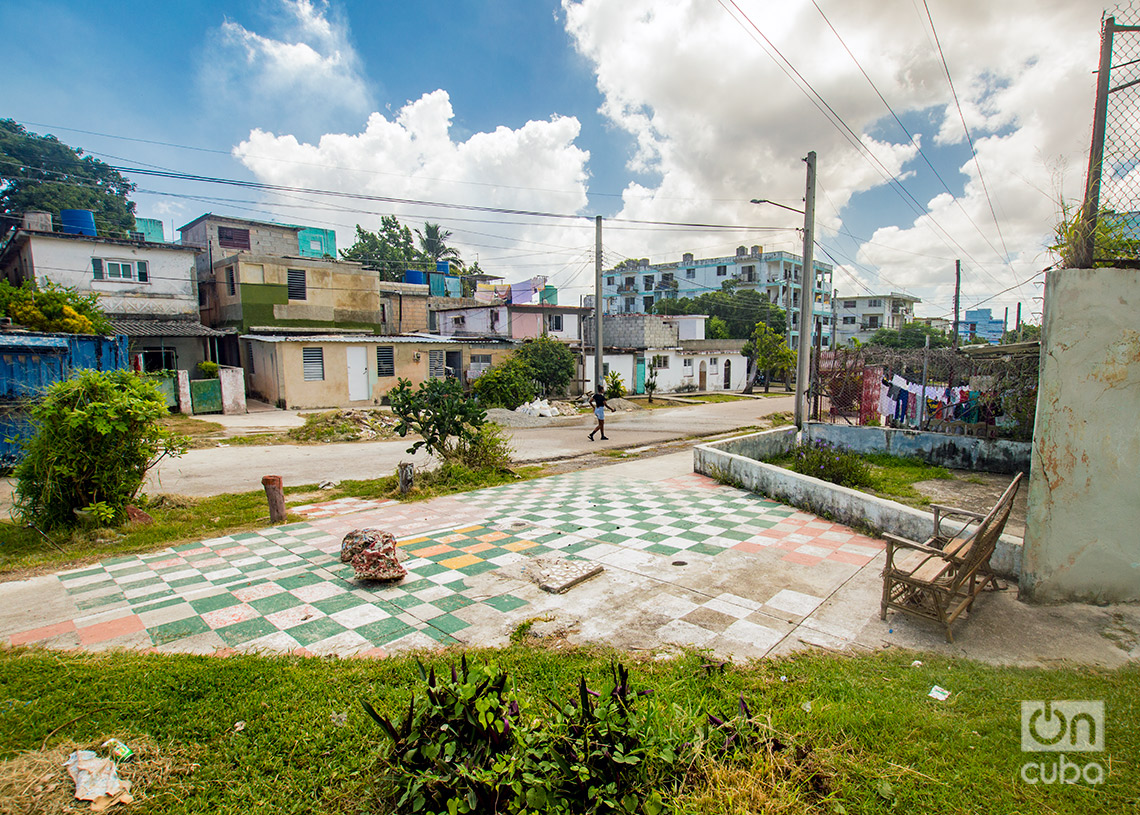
358 389
727 375
639 379
704 376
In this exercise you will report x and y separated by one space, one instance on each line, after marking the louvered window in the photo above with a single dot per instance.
313 361
297 284
233 238
435 364
385 361
231 281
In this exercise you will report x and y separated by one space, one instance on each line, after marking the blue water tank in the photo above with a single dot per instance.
414 276
78 222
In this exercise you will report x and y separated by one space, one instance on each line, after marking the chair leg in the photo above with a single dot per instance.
886 597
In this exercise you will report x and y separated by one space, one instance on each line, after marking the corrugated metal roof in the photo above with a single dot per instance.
164 328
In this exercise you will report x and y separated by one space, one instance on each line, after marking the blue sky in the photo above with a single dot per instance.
631 109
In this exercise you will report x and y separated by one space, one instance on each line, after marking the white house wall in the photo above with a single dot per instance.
675 376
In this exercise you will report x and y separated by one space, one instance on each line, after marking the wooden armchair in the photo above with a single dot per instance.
939 579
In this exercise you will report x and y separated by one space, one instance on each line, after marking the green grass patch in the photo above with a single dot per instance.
185 425
855 735
881 474
179 519
714 398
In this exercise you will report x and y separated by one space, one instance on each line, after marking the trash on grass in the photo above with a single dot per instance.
239 726
941 694
806 707
97 780
916 664
120 752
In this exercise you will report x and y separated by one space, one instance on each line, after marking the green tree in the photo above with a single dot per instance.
43 173
551 363
53 308
389 250
433 245
739 310
911 335
437 411
1027 333
507 385
717 329
98 434
766 353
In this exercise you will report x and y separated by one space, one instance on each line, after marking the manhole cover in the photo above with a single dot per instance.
680 563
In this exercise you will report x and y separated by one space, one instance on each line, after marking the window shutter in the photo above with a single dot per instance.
97 268
231 282
313 363
296 284
385 360
143 272
435 364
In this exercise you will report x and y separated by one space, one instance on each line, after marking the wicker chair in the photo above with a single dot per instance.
941 578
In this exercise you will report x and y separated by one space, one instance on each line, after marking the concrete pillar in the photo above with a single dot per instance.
233 389
182 387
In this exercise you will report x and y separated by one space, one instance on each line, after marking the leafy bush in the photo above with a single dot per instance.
820 460
615 385
51 307
507 385
437 411
98 434
488 448
551 363
208 369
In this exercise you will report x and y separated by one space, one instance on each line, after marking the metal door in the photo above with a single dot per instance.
639 380
357 373
206 395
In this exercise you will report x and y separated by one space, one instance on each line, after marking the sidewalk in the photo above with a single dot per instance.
686 562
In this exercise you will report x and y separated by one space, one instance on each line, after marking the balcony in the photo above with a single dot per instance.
626 288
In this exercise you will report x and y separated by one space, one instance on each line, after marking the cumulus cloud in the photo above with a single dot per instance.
718 120
305 70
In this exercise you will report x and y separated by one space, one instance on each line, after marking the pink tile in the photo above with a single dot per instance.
162 564
109 630
438 549
371 653
213 561
257 592
232 550
803 560
37 634
201 550
749 546
222 617
848 557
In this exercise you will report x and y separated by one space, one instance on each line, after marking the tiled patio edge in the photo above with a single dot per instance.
723 461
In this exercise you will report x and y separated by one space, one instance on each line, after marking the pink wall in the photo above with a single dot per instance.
525 325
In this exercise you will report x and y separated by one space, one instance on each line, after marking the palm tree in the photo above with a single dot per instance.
433 244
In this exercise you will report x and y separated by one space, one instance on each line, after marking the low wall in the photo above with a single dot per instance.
726 461
959 452
233 389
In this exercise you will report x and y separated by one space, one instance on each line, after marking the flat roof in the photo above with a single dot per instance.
247 221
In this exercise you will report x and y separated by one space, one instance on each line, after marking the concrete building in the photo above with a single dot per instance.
147 289
673 347
861 316
636 285
519 322
312 371
220 236
979 324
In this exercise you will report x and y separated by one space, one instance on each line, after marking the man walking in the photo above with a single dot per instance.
598 400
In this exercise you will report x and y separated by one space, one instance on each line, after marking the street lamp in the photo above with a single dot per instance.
773 203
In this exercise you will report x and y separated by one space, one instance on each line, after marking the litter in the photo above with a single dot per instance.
120 752
339 719
239 726
97 780
916 664
941 694
806 707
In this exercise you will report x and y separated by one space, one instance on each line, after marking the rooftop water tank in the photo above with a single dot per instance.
78 222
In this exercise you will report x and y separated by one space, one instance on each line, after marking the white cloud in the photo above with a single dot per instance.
305 71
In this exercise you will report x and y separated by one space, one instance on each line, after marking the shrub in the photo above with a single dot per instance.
209 370
821 460
615 385
98 434
507 385
437 411
551 363
488 449
51 307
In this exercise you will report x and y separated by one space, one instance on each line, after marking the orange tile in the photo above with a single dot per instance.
849 557
453 538
492 536
519 546
460 562
430 551
372 653
748 546
803 560
101 632
47 632
477 547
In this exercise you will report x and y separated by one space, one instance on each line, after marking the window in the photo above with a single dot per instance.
721 271
435 364
383 312
631 282
104 269
690 273
555 322
296 284
874 304
873 321
629 305
385 360
202 300
647 281
143 271
609 281
480 363
688 363
749 273
667 277
494 318
231 282
249 355
647 303
849 321
233 238
712 362
313 364
315 245
159 359
659 361
459 321
849 304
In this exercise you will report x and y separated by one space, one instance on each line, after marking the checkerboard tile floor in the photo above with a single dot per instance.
284 589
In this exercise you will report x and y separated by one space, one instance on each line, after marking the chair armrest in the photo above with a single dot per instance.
945 510
895 540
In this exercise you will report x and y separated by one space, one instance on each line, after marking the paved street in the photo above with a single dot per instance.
686 562
240 468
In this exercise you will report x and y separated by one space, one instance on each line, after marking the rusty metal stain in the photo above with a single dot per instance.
1121 362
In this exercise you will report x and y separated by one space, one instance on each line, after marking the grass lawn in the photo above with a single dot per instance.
853 735
179 519
891 476
714 398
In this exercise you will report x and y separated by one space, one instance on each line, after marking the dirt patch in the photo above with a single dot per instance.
36 782
978 492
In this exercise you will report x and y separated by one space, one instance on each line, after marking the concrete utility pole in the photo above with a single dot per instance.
807 297
957 292
598 378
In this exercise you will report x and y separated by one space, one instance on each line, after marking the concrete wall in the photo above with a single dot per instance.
233 389
1082 539
960 452
264 239
726 461
632 331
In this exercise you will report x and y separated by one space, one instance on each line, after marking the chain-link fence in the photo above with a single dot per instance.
994 396
1107 229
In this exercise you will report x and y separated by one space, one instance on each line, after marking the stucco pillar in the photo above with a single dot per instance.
182 385
233 389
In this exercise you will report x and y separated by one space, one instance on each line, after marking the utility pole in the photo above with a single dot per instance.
957 294
807 296
1019 322
599 379
1005 323
1090 209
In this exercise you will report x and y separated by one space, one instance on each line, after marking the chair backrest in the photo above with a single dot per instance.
988 532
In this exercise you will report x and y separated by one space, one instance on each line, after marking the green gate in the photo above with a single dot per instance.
206 395
167 386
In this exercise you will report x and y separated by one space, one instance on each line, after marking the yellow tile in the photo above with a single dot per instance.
470 528
410 541
460 562
518 546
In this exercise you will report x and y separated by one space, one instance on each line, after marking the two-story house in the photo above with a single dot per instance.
861 316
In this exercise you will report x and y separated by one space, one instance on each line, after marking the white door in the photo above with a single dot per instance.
357 373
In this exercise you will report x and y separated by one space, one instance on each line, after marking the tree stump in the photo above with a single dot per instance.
275 494
406 473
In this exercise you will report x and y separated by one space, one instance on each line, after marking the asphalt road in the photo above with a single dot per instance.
219 470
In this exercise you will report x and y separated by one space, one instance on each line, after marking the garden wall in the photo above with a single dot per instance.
732 462
942 449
